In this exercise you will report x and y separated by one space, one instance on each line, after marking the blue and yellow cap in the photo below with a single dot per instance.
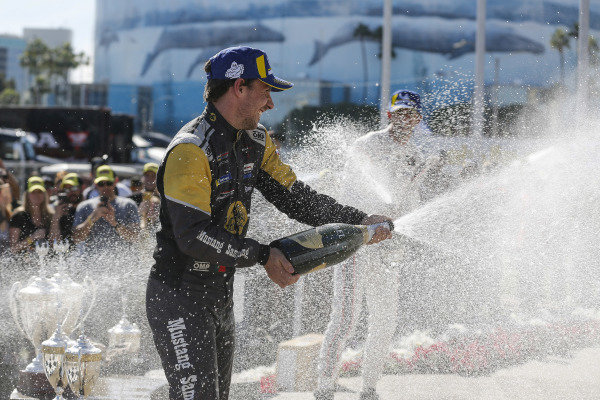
247 63
405 99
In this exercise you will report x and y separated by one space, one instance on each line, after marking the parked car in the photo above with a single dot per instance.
156 139
145 151
18 154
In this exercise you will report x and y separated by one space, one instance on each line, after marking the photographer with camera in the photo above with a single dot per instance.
107 219
31 221
68 197
147 199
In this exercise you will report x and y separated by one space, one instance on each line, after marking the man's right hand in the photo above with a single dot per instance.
99 212
279 269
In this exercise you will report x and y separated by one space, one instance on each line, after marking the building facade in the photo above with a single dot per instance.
329 48
11 48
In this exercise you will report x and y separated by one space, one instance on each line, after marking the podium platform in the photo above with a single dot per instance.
118 387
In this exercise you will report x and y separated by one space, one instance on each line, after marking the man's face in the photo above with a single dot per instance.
149 180
256 100
72 192
105 188
404 120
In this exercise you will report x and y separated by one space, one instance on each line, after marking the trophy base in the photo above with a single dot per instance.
35 384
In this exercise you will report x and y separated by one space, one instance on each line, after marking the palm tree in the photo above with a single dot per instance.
593 49
363 32
592 43
560 41
36 58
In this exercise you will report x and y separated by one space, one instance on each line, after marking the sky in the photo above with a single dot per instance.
77 15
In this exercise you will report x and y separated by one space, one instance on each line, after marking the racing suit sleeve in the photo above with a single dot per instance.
187 188
278 183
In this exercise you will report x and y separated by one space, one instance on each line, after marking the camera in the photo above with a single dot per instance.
103 201
62 198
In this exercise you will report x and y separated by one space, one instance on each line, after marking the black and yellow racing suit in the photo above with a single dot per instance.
205 181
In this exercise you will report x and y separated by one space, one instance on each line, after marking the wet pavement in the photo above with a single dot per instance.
576 377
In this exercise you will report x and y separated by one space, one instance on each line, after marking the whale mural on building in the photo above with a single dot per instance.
452 38
196 37
161 46
546 12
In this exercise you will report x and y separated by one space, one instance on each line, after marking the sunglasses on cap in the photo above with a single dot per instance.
104 183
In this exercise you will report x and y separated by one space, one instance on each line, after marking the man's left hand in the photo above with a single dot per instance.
110 215
381 233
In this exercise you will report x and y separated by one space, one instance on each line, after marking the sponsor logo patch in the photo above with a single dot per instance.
208 152
235 71
212 117
258 135
236 253
248 167
224 178
222 156
212 242
237 218
225 195
248 175
188 385
176 329
249 189
200 266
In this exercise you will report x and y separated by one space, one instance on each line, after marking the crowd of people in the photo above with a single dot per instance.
86 210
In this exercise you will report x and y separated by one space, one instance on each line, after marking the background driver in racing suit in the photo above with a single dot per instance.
383 174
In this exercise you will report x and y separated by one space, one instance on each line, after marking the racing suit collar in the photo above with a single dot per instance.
216 120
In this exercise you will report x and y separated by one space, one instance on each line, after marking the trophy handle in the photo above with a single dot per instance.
88 283
12 298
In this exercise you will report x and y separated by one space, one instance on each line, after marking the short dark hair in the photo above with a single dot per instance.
215 88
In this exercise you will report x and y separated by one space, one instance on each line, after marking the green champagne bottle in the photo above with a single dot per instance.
326 245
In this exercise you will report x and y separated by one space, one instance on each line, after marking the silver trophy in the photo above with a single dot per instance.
125 336
33 308
53 354
35 314
82 363
72 293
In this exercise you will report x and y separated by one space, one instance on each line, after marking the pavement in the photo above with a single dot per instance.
576 377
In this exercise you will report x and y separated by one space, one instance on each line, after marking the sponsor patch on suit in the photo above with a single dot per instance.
200 266
225 195
224 178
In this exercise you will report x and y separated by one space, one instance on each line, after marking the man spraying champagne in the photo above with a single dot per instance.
205 182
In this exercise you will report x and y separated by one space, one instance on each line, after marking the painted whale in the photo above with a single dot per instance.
203 37
452 38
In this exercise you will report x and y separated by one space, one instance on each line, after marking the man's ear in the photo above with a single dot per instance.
238 86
